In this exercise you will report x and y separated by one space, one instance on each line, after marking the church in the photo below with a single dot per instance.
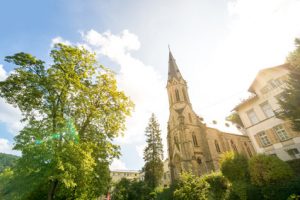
192 145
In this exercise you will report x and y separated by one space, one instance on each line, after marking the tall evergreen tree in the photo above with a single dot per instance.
290 103
153 154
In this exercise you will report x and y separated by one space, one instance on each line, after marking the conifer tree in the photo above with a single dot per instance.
290 103
153 154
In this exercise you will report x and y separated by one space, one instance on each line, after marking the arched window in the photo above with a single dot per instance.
177 95
176 142
195 140
217 146
233 146
190 117
184 95
171 98
248 149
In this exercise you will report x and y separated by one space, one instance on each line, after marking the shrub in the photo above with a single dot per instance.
234 166
219 185
266 170
191 187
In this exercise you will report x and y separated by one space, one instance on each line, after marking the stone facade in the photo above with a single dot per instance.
269 134
192 146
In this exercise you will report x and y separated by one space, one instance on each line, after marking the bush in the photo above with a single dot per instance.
265 170
234 166
191 187
295 165
219 185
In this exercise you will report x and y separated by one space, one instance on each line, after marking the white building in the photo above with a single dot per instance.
117 175
269 134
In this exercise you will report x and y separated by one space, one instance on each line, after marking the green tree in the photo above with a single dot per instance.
290 103
191 187
72 109
7 161
235 168
265 170
235 119
153 154
131 190
218 185
121 190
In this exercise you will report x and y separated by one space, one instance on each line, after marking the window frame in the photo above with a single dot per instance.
281 133
195 142
177 95
264 137
217 146
250 118
267 109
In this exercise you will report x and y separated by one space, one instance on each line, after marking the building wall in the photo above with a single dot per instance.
191 144
267 87
117 175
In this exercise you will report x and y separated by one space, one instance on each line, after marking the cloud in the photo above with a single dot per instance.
6 147
9 115
260 35
3 73
140 81
59 40
117 165
140 149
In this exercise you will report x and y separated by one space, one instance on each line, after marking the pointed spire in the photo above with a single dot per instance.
173 69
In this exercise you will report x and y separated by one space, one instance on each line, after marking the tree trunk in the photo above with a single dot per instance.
52 189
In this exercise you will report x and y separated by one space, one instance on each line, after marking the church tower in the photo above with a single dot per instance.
187 141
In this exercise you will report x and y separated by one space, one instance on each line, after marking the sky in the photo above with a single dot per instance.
219 46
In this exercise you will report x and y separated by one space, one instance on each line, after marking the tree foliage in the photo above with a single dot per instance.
153 154
290 103
234 166
191 187
235 119
7 161
266 170
131 190
218 185
72 109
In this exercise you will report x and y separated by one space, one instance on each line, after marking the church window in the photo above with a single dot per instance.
248 149
233 146
184 95
176 142
195 140
199 161
217 146
171 98
190 117
177 95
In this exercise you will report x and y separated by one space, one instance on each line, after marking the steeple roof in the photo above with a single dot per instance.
173 68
